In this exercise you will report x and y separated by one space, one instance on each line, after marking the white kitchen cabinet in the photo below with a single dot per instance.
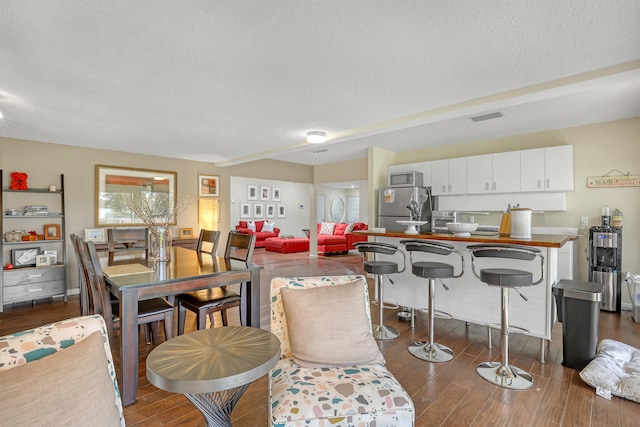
547 169
558 164
479 174
494 173
449 176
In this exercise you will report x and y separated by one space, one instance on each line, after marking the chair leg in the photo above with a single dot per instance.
154 332
182 315
168 326
431 351
503 374
223 314
201 320
382 332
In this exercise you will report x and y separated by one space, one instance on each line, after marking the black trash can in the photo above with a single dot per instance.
578 305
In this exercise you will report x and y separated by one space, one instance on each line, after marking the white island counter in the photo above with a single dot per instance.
471 300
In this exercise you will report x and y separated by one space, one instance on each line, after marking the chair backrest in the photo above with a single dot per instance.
101 298
381 248
208 241
432 247
278 322
86 297
126 239
240 246
505 251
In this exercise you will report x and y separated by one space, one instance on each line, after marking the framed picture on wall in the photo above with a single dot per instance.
282 211
258 210
95 235
270 211
265 193
245 210
208 186
252 192
276 194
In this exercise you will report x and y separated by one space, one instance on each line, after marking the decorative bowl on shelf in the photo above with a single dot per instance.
462 229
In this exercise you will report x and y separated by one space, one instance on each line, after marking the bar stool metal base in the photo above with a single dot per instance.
431 352
505 376
382 332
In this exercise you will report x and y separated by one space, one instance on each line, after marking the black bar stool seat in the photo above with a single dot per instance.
380 269
502 373
431 270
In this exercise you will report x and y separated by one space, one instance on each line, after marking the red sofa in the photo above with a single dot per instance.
261 236
340 242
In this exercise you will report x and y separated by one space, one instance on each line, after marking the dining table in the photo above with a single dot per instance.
187 271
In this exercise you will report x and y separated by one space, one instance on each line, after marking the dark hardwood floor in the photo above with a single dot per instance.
449 394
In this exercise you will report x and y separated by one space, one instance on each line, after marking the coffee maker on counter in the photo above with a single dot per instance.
605 261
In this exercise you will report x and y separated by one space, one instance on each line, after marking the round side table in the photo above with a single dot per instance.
213 367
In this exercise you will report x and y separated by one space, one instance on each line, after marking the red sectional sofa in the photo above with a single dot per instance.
339 242
261 236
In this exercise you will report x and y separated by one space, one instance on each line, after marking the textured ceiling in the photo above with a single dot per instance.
233 81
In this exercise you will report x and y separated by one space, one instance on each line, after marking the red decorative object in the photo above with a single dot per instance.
18 181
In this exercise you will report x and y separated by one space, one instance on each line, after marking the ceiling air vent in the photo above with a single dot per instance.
488 116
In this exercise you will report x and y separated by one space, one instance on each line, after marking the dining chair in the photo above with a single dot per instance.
127 239
209 301
86 299
208 242
150 311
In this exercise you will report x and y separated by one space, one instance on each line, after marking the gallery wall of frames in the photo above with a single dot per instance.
285 203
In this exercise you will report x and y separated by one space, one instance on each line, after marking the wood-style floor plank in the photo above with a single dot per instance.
448 394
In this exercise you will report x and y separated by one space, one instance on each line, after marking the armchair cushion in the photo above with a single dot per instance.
325 318
59 374
365 395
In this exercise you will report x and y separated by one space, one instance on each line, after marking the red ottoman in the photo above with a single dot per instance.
286 246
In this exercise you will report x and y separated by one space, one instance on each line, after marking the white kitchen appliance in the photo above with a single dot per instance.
405 204
521 223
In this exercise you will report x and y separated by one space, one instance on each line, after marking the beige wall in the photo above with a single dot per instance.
599 149
45 162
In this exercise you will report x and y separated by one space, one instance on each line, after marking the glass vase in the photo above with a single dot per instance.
161 244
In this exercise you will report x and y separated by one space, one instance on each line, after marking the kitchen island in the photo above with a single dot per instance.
469 299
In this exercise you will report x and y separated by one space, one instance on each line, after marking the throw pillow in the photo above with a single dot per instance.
268 226
327 228
251 225
242 224
349 228
46 391
328 326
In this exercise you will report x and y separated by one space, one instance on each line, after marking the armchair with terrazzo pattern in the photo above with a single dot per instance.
321 396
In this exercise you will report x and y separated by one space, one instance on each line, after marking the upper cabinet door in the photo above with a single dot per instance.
506 172
480 174
440 177
457 176
532 170
558 168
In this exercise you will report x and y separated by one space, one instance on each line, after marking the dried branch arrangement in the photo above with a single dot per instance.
155 210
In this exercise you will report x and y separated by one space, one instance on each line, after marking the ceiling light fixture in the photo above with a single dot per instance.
316 137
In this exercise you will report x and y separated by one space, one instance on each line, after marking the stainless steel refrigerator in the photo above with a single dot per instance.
397 204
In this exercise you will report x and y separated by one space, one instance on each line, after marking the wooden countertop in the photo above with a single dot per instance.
542 240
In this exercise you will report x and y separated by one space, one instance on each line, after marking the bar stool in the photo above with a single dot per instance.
380 268
431 351
503 374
